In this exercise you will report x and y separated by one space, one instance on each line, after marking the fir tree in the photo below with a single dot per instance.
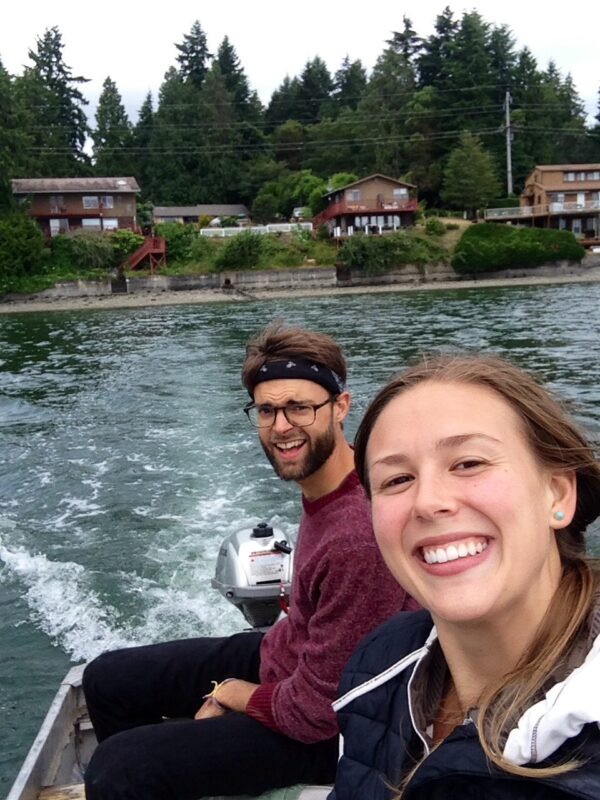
50 92
349 84
234 77
470 180
314 92
284 104
13 141
141 138
406 42
112 135
194 56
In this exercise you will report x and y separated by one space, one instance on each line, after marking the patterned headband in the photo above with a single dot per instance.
300 368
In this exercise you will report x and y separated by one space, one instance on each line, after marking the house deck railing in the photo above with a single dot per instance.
520 212
283 227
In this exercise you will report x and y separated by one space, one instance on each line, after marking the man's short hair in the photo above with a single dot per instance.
278 341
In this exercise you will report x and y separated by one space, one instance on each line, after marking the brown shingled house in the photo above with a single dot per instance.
61 205
374 204
563 196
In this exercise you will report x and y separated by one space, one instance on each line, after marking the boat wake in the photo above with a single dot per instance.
64 604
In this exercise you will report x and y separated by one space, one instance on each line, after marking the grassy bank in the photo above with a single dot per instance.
469 248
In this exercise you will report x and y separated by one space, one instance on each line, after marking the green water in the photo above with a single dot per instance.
125 458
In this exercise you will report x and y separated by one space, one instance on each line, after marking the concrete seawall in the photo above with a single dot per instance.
240 286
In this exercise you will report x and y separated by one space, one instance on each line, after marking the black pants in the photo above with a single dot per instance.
142 757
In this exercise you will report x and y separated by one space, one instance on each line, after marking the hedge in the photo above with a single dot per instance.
487 247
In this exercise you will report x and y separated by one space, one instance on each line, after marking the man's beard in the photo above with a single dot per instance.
317 452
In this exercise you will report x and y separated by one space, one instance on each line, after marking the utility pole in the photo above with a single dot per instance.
507 128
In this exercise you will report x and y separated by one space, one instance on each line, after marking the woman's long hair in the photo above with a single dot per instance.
556 443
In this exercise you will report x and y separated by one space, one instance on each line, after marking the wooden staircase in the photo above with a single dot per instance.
154 250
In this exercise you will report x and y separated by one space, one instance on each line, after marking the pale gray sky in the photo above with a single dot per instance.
133 42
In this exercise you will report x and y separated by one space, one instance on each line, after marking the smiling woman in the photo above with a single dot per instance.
481 489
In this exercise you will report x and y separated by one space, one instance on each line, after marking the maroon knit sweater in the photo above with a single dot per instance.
341 590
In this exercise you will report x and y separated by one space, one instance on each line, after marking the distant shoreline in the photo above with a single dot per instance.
192 296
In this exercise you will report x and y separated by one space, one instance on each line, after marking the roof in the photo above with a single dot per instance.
66 185
370 178
567 167
200 211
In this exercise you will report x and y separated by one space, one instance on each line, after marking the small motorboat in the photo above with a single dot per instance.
253 572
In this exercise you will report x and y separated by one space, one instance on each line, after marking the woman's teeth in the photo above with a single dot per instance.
452 552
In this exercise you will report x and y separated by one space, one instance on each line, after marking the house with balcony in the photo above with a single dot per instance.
561 196
375 204
61 205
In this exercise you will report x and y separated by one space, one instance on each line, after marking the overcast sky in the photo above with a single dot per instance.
133 42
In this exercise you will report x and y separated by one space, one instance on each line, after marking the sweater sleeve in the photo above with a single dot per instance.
357 593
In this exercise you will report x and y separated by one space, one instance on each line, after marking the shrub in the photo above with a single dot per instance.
200 249
178 237
242 251
434 227
376 254
125 242
22 251
487 247
93 250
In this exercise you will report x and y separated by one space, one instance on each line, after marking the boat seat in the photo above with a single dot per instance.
76 791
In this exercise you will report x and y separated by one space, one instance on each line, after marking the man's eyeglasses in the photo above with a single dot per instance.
300 415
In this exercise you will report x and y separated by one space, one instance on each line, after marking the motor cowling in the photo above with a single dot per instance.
254 572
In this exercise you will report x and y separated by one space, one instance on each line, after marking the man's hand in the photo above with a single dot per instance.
233 695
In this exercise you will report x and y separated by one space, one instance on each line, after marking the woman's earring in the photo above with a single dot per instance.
559 516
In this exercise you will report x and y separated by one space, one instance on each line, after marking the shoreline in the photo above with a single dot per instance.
194 296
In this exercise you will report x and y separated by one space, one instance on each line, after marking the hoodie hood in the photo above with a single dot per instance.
560 715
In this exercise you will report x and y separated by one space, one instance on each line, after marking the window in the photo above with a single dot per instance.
569 176
90 202
401 193
107 201
110 224
59 226
57 203
91 223
353 195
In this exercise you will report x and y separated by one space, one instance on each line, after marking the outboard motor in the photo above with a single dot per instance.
254 572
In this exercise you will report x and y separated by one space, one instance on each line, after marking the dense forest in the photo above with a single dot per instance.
426 106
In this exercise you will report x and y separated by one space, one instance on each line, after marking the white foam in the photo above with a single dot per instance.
63 605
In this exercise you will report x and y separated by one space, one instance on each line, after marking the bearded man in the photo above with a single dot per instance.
269 721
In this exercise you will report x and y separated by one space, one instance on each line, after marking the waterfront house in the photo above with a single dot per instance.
191 214
373 205
562 196
61 205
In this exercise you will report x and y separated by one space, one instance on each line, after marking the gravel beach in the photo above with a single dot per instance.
166 298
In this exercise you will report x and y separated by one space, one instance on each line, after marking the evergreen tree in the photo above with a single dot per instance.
470 180
382 111
12 139
314 92
528 119
406 42
112 136
349 84
234 76
55 104
194 56
141 138
284 104
436 52
288 144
